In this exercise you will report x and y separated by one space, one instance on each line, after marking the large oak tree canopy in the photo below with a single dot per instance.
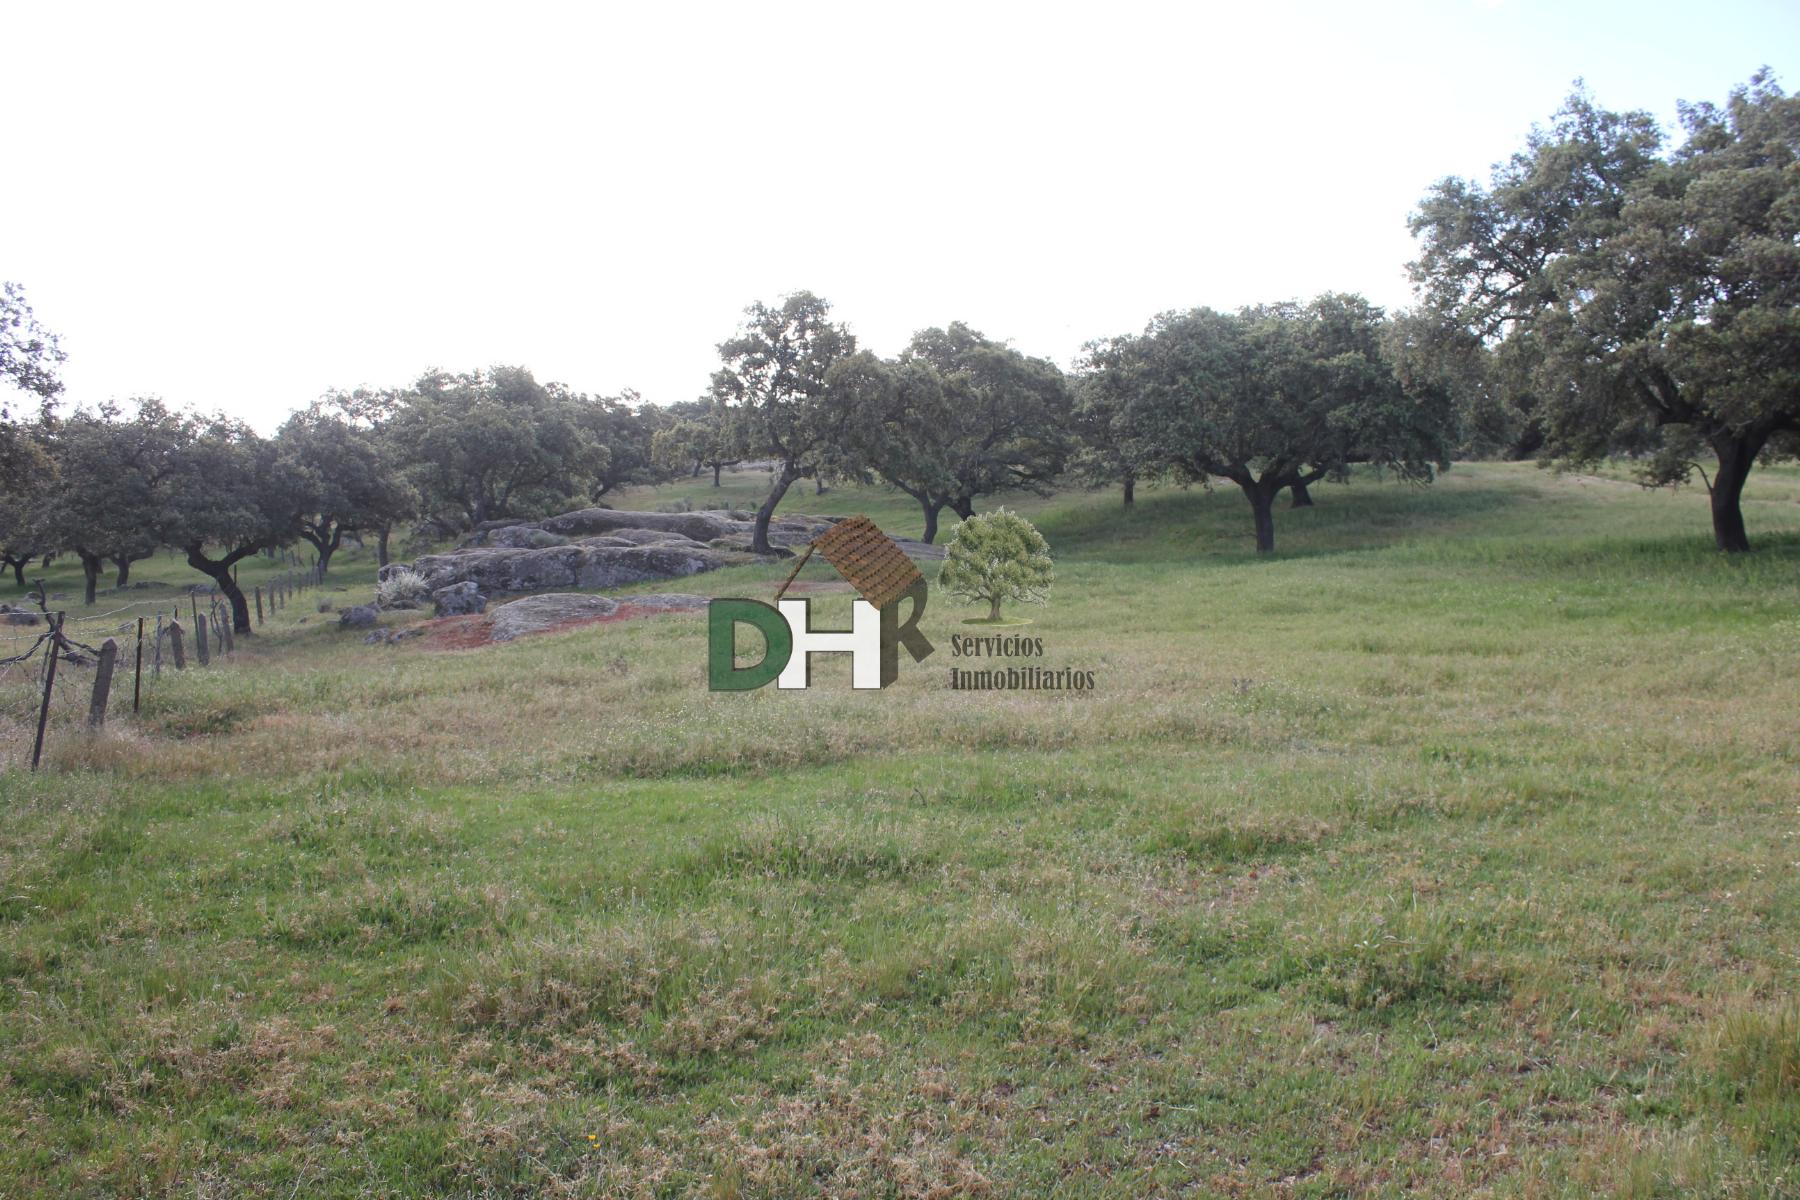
956 416
1272 397
112 478
231 495
351 480
492 444
697 434
1642 301
773 382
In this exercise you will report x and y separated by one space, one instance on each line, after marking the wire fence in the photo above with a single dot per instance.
51 660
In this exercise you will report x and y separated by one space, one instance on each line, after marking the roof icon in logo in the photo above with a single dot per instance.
872 562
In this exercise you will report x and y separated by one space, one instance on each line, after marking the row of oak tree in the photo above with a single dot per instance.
1602 293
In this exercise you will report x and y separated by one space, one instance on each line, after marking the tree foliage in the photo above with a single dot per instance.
493 444
773 382
624 427
955 417
696 435
1642 302
113 472
29 353
231 494
349 475
1270 397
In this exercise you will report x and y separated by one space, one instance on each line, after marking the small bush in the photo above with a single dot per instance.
402 589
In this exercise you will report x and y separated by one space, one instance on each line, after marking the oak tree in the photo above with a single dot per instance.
1648 300
773 383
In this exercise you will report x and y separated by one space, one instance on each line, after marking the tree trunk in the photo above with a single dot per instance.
931 518
18 566
1737 454
219 571
818 487
1130 491
759 542
326 547
717 467
90 571
1262 508
993 608
963 506
381 547
1302 497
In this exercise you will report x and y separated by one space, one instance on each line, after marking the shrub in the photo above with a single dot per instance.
997 556
402 589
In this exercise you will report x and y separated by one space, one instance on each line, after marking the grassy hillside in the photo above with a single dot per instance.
1450 852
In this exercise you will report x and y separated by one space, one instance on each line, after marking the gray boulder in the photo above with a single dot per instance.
458 600
359 616
496 569
534 614
518 537
587 522
610 548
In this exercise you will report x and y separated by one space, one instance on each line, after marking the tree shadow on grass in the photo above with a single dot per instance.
1516 521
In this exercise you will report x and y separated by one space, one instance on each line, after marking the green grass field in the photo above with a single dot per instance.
1453 851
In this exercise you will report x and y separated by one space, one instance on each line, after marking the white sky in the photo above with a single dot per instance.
241 206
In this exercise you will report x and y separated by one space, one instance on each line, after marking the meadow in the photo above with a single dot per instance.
1452 851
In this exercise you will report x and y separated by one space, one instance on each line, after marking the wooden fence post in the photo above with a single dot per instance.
259 616
103 673
137 673
227 642
55 639
200 639
156 670
175 645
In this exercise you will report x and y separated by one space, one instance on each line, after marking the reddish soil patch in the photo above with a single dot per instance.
466 633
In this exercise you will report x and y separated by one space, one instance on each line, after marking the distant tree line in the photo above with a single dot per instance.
1600 295
112 486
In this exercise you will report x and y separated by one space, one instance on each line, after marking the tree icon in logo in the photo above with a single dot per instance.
997 556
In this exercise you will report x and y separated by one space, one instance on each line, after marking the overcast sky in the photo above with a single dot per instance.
241 207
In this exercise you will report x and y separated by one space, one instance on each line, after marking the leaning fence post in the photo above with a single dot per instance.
175 645
55 638
137 673
200 638
103 673
227 643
